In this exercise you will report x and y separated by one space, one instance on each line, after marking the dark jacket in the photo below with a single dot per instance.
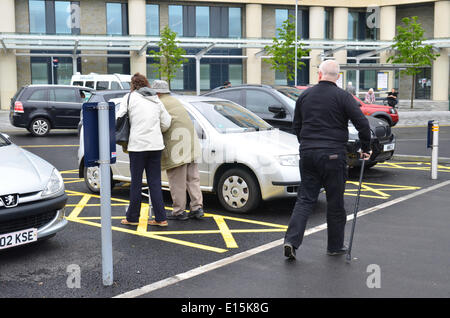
321 118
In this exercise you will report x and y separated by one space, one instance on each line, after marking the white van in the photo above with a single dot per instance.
101 81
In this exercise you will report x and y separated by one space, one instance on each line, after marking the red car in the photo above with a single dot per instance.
387 113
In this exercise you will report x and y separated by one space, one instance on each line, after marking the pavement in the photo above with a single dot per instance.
400 249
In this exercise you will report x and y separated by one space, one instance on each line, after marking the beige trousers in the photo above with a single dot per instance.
182 178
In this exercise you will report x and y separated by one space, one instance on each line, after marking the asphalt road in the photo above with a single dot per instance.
413 141
143 258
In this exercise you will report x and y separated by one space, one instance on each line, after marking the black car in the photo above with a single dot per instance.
276 105
40 108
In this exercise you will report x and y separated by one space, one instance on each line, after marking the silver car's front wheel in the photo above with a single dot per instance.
92 178
238 191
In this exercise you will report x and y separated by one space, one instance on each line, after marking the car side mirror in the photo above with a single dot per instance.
276 109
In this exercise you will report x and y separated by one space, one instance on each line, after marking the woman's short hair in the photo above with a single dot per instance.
138 81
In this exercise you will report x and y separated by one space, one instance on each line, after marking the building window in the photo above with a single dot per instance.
235 74
120 65
54 17
176 19
37 16
202 21
52 69
357 26
234 24
281 15
152 19
62 17
116 18
204 77
328 24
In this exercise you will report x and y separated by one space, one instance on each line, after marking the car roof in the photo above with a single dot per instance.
110 91
58 85
194 98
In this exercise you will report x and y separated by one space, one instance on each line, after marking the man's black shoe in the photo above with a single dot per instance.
180 217
289 251
340 251
196 214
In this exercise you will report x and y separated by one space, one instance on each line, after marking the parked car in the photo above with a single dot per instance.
102 81
40 108
387 113
384 112
233 165
32 197
276 105
102 96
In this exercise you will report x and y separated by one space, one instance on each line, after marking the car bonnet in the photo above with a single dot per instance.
21 171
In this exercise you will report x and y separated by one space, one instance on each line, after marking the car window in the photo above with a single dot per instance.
38 95
102 85
233 95
227 117
115 85
259 101
126 85
64 95
89 84
77 83
85 95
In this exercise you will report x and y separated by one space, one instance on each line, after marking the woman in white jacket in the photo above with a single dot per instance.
148 119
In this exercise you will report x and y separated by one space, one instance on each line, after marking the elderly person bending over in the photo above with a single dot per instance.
178 158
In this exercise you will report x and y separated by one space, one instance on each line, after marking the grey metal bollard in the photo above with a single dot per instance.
105 193
435 150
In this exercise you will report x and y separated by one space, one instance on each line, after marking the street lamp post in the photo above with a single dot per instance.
296 18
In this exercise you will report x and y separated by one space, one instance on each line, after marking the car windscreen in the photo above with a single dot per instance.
4 141
291 92
227 117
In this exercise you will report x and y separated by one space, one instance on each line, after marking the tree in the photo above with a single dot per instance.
411 50
170 55
283 50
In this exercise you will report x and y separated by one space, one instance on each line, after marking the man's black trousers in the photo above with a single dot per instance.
320 168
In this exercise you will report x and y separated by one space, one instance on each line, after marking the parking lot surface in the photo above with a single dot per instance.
402 229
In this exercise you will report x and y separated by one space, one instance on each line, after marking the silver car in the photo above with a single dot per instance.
244 159
32 196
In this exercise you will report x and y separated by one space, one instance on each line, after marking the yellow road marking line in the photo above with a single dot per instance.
249 221
225 231
69 171
80 206
143 218
156 236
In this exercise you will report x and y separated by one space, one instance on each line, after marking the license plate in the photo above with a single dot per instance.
389 147
18 238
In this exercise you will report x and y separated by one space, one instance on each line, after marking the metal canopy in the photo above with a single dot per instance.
373 66
74 43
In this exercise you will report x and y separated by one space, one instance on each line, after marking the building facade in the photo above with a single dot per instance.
46 41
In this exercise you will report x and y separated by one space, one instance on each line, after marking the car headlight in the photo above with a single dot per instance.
55 185
393 111
289 160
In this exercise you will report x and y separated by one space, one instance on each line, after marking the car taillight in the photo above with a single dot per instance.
18 107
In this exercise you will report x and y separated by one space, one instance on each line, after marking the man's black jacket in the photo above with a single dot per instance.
321 118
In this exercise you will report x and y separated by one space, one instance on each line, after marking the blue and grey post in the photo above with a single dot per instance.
105 192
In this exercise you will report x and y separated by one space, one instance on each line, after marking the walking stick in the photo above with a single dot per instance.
349 252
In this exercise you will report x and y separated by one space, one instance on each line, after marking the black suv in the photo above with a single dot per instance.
276 105
39 108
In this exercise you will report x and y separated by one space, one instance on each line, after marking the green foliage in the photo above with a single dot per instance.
410 48
170 55
283 50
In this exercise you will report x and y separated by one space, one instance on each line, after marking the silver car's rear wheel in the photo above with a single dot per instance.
238 191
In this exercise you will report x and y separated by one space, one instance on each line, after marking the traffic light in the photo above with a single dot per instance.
55 63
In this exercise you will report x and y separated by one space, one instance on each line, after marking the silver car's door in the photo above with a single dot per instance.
204 160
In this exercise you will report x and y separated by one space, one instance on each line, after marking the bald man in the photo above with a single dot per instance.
320 122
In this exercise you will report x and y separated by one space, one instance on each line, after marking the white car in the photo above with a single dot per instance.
32 196
244 159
